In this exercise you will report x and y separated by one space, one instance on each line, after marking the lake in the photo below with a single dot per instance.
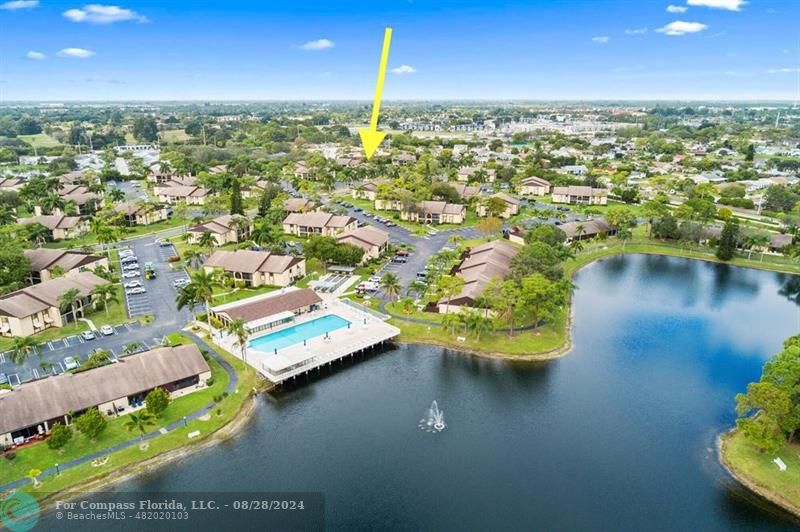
618 435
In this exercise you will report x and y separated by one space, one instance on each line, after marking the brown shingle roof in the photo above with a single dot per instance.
480 266
318 219
46 258
43 295
365 237
52 221
248 261
277 302
42 400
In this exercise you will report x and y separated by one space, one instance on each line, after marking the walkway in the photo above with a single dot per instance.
233 380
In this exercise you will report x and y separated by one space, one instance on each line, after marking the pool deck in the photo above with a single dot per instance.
365 332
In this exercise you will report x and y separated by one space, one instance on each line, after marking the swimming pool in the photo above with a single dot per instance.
297 333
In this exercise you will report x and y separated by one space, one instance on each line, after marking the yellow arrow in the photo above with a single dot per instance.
371 137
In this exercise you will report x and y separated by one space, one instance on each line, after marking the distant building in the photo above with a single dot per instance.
224 229
435 212
512 205
267 311
580 194
141 213
61 227
534 186
258 268
45 260
574 169
190 194
372 240
298 205
318 223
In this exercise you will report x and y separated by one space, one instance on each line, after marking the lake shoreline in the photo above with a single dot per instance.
750 484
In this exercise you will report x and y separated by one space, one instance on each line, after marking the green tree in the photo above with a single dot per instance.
448 287
60 435
103 294
91 423
145 129
237 206
187 297
68 300
204 284
507 302
206 240
14 267
477 323
728 240
390 284
489 226
157 401
761 410
537 257
139 421
241 333
23 347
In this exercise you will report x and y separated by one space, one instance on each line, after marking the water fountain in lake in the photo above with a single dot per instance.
433 420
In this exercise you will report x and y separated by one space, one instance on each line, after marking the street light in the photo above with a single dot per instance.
58 471
184 421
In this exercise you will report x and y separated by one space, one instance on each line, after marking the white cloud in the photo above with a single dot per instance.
676 9
601 40
19 4
783 71
404 69
636 31
102 14
78 53
680 27
35 56
319 44
730 5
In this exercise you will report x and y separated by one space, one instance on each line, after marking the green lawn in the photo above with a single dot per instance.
746 461
40 456
42 140
228 295
175 135
369 206
89 239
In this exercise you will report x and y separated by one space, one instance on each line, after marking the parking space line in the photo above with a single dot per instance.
62 367
35 373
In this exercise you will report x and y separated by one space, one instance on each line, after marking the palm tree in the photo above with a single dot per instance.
6 215
391 285
67 300
131 348
37 233
207 240
187 297
51 202
477 323
580 229
241 225
204 284
265 234
238 329
105 293
193 257
22 348
116 195
449 286
138 422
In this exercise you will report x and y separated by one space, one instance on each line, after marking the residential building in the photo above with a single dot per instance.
574 169
588 229
465 191
318 223
778 242
478 267
11 184
298 205
31 410
258 268
435 212
61 227
227 229
141 213
512 205
173 193
580 194
372 240
269 310
45 261
534 186
35 308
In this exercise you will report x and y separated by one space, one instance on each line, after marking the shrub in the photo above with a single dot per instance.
59 436
10 455
210 381
157 401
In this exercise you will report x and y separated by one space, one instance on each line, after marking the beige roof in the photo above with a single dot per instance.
508 198
534 181
248 261
181 191
480 266
365 237
441 207
464 190
38 297
579 190
38 401
298 205
46 258
269 305
52 221
318 220
590 228
779 241
219 225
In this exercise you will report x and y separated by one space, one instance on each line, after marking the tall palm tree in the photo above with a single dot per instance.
238 329
477 323
187 297
192 257
51 202
241 225
391 285
138 422
105 293
204 284
22 348
580 229
207 240
67 300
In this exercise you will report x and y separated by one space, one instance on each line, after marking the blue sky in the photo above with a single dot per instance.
262 50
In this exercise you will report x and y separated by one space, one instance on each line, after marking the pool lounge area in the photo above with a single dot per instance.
297 334
298 342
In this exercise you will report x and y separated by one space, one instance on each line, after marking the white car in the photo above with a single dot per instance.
131 274
134 291
125 253
128 258
88 335
180 283
70 363
133 284
107 330
374 279
131 266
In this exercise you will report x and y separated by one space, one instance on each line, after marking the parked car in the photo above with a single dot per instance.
357 209
133 284
422 275
128 258
131 274
107 330
291 244
374 279
180 283
400 259
134 291
390 224
403 253
165 243
131 266
88 335
70 363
